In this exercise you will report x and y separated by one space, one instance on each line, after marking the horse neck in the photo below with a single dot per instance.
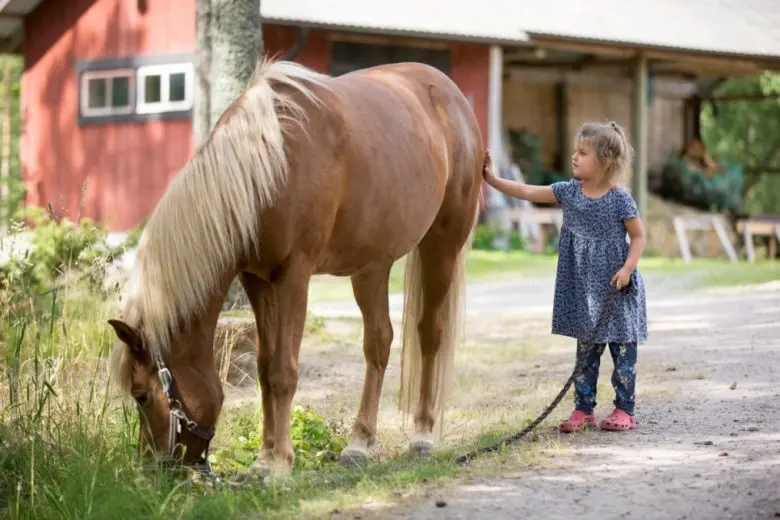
196 340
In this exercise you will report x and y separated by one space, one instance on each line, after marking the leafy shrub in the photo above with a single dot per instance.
57 248
315 443
488 238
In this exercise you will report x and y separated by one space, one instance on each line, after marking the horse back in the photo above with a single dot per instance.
374 162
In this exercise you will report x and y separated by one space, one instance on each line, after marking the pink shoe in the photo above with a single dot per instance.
577 421
618 421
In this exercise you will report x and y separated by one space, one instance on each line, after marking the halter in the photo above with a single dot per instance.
177 415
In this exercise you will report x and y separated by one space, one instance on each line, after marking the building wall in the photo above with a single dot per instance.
470 70
116 172
531 104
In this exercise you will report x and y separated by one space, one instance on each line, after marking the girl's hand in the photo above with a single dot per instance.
621 279
487 168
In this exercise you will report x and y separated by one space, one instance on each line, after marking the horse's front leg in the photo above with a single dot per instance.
287 309
258 292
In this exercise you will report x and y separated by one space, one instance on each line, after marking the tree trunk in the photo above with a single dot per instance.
5 156
201 118
229 43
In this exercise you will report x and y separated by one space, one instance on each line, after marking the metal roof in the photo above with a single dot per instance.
739 27
12 12
736 27
452 19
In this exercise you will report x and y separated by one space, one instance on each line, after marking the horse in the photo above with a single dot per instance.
306 174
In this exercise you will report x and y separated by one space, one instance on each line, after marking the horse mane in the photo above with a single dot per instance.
207 218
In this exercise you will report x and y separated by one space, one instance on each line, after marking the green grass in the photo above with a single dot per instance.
81 463
482 265
68 448
491 265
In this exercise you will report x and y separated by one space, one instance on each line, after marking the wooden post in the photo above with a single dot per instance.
639 119
562 138
497 205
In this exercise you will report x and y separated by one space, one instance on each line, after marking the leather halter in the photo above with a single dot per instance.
178 417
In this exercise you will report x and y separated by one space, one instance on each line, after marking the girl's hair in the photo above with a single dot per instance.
613 150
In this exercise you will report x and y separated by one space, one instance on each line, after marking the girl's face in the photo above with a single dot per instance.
584 163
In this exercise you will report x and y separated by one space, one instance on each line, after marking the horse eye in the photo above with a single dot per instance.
141 399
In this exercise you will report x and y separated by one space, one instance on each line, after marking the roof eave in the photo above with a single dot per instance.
767 61
408 33
10 10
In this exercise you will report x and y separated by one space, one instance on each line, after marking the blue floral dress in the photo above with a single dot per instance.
593 247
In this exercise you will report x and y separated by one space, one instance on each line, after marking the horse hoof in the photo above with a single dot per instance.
421 447
260 468
353 457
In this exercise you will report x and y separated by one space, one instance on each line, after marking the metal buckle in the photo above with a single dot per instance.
165 378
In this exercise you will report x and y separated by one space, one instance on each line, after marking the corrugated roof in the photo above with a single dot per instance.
746 27
11 23
456 19
741 27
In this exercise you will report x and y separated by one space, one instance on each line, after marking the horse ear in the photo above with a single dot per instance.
131 336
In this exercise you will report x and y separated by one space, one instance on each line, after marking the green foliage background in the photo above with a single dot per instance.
748 131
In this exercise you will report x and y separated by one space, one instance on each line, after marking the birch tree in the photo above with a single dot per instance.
229 43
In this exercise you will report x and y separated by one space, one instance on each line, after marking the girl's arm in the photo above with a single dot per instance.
518 190
637 234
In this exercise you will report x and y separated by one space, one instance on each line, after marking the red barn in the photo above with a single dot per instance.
108 88
107 96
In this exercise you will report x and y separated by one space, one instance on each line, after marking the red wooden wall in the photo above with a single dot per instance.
127 166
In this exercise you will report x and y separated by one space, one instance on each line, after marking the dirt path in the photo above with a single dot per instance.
708 443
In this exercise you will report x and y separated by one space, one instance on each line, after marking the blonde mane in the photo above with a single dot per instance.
208 217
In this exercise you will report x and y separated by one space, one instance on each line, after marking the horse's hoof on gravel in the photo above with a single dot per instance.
353 457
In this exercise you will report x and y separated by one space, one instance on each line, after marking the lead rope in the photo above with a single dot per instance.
466 457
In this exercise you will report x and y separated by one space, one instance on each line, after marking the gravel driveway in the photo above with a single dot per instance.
708 442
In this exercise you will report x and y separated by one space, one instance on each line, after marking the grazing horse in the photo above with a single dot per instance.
306 174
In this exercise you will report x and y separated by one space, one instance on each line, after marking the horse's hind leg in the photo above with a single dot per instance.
371 295
435 276
438 270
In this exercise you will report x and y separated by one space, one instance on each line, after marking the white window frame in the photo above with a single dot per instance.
86 76
165 71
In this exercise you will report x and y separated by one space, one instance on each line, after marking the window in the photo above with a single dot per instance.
165 88
135 88
106 92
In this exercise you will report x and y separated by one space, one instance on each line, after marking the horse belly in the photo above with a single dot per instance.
380 227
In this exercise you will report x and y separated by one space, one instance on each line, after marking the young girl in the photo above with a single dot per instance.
593 254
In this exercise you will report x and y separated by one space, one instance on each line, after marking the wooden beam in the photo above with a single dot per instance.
710 60
387 40
588 62
753 96
639 135
582 48
562 139
672 88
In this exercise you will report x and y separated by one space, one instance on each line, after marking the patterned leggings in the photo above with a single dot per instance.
623 376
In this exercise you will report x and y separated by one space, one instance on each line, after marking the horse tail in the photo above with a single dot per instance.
452 332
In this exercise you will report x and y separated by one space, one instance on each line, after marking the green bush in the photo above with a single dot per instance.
486 238
315 443
58 248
